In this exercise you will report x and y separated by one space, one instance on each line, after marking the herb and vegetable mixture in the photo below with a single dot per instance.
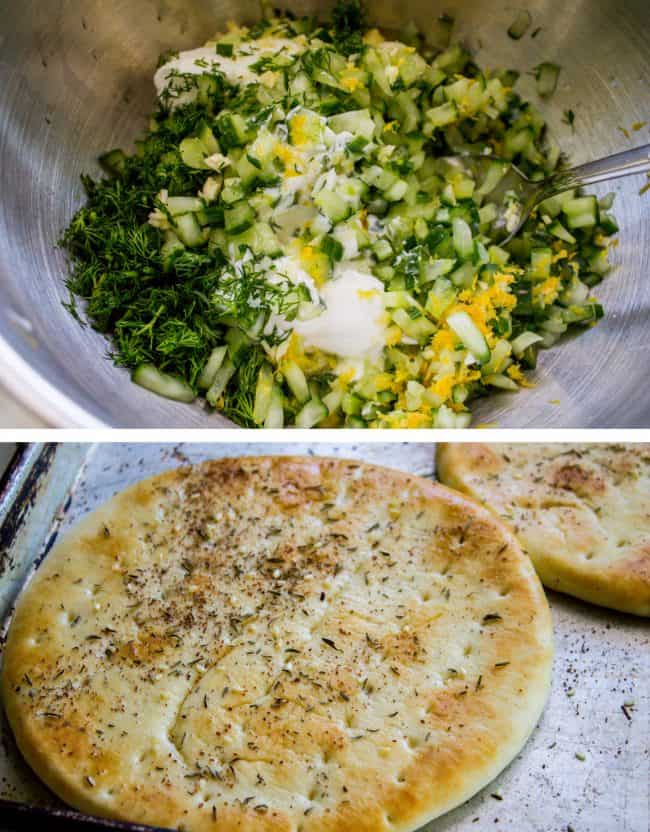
288 240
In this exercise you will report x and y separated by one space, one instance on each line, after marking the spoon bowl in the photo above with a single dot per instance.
514 196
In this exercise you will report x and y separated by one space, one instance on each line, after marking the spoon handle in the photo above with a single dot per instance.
626 163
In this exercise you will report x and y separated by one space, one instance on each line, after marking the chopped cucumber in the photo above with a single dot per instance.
521 343
463 241
313 412
189 230
332 205
558 230
113 162
520 25
239 218
357 122
263 393
275 414
546 74
171 387
220 382
214 362
296 381
470 335
581 212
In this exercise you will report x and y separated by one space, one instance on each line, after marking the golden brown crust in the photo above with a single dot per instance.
282 643
582 512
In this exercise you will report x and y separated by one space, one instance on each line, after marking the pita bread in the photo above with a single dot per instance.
582 512
281 644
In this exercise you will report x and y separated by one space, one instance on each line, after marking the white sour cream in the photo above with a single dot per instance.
352 325
205 59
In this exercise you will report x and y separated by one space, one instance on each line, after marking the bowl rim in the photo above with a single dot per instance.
32 390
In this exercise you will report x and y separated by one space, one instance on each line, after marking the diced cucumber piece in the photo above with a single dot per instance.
553 205
463 276
608 223
606 202
599 262
440 297
576 293
313 412
497 255
238 344
332 205
520 24
409 113
517 141
558 230
232 130
396 191
521 343
260 238
213 363
239 218
452 59
296 380
471 336
220 382
540 262
448 418
193 153
114 161
275 414
440 116
400 299
351 404
414 393
183 205
382 249
499 359
170 249
581 211
332 400
263 392
331 247
377 177
357 122
232 190
413 325
463 240
501 381
488 213
546 75
189 230
208 140
171 387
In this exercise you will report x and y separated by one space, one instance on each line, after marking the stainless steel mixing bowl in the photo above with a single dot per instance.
75 79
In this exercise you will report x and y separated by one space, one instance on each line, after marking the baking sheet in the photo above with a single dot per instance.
585 768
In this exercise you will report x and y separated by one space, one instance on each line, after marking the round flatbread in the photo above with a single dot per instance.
279 644
582 512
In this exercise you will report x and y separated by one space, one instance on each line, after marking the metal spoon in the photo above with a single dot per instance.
513 213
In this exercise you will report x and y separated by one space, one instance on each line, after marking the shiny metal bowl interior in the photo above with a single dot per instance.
75 79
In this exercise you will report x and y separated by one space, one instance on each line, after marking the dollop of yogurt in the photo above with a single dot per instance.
205 59
352 323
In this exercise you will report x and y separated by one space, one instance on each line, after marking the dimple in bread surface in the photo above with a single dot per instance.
582 512
278 643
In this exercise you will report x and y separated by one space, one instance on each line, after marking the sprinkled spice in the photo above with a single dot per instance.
221 598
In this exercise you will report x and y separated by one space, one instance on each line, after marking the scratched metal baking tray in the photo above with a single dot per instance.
586 766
